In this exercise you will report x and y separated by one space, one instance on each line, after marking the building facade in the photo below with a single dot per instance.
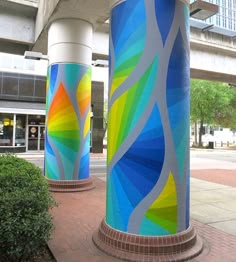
226 17
22 106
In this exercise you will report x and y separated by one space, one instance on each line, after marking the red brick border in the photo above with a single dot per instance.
70 185
178 247
219 176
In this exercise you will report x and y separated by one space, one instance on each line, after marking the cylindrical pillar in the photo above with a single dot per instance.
67 143
147 211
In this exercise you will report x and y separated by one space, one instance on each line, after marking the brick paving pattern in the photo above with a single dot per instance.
79 215
218 245
76 218
224 177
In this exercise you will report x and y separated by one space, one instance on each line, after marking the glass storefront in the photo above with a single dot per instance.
22 109
6 129
22 131
36 131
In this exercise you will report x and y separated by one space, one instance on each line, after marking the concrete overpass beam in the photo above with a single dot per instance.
214 65
16 28
45 10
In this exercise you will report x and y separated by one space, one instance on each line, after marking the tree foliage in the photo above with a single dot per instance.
212 103
233 109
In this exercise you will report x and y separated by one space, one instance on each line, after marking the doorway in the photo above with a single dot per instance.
36 137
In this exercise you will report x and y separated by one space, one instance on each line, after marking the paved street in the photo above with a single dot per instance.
213 159
215 154
199 159
97 164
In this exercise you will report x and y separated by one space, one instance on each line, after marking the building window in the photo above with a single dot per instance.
0 83
234 15
20 130
40 89
22 87
6 129
10 86
26 87
226 18
36 120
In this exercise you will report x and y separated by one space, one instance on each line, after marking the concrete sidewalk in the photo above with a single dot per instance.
214 204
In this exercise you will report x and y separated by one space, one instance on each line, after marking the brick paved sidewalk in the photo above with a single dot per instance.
76 218
224 177
79 215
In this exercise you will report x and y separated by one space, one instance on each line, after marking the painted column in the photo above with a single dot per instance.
148 131
67 145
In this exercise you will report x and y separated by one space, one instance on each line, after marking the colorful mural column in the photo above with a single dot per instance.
147 207
67 145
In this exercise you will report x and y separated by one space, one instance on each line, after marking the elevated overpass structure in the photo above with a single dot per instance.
25 23
148 127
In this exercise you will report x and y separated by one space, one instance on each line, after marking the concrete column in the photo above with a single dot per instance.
67 143
147 211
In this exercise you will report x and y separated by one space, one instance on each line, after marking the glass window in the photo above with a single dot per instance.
234 15
26 87
6 129
20 130
36 120
40 88
10 86
22 87
0 82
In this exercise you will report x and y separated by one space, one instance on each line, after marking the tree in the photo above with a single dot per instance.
105 118
105 114
212 103
232 123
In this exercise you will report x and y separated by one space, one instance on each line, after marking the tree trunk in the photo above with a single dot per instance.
195 133
200 133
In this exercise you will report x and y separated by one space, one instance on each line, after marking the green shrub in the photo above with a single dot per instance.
25 223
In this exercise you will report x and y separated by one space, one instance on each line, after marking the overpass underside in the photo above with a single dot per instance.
212 61
24 26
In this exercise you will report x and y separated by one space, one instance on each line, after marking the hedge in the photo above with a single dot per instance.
25 221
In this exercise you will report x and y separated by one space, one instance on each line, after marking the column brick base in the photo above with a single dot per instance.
178 247
70 185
